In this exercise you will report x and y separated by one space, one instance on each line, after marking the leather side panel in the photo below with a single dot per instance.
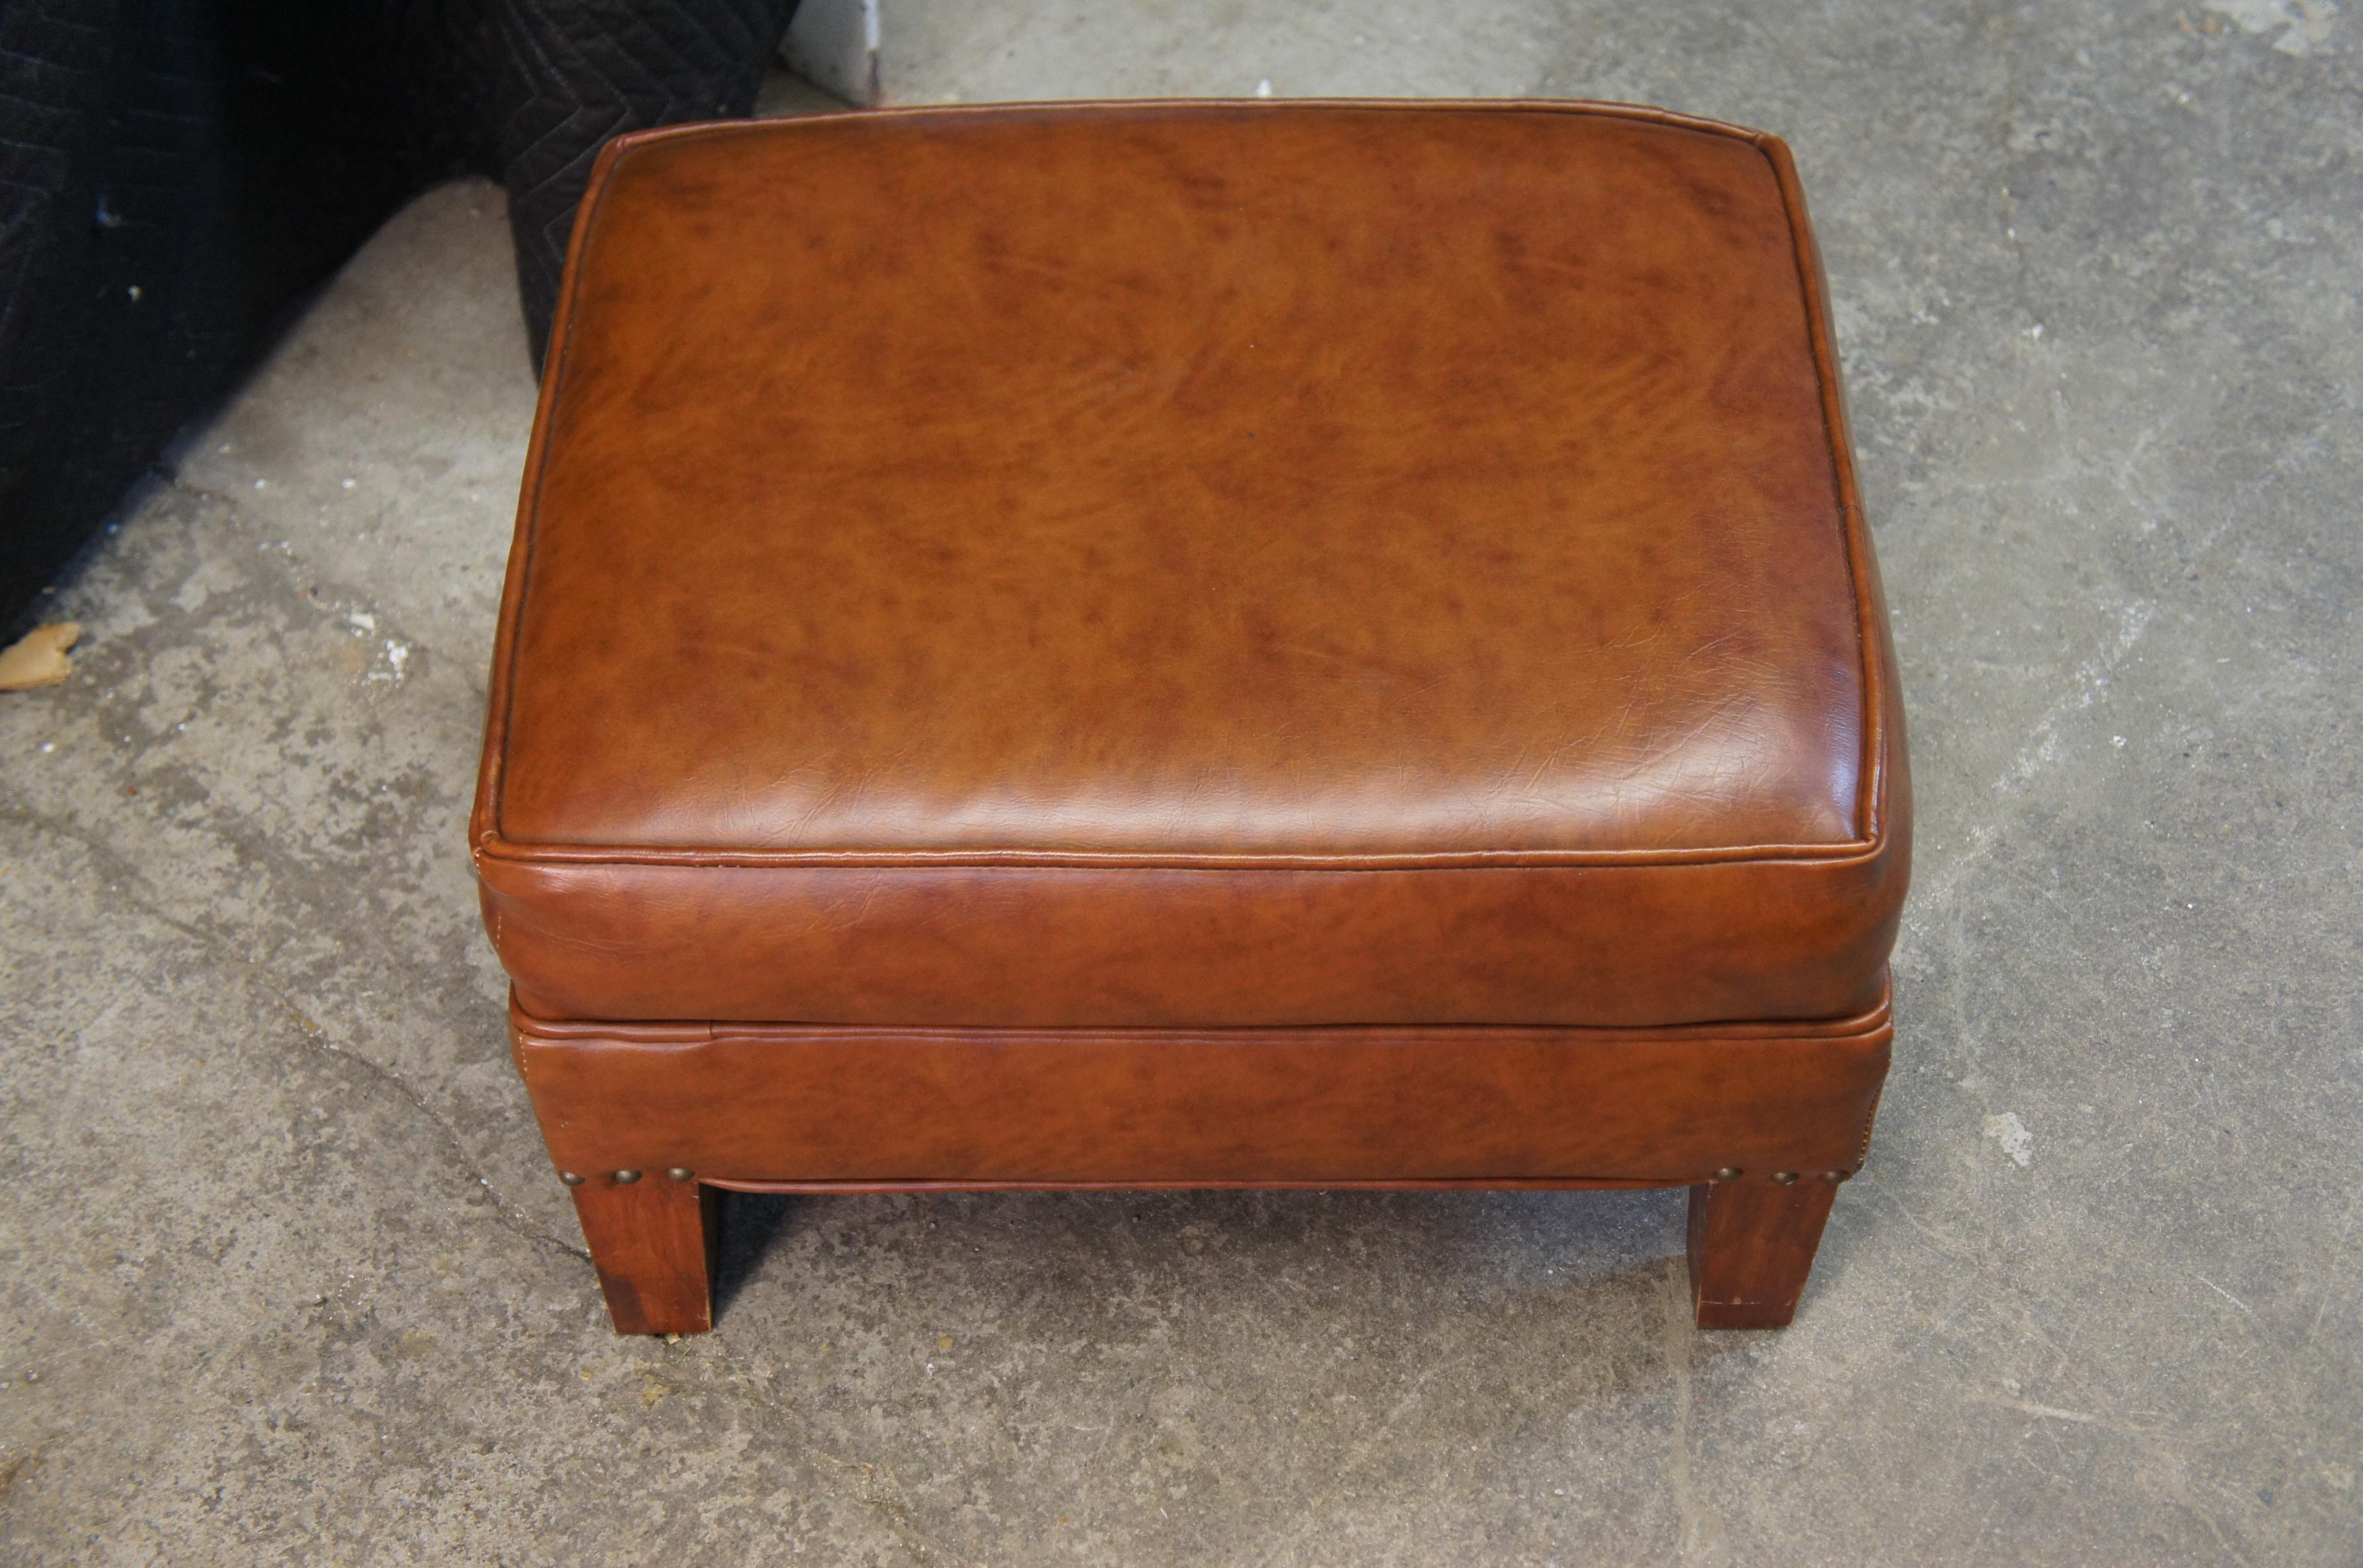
1257 1106
1088 947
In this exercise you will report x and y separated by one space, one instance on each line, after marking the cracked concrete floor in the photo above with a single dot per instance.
288 1280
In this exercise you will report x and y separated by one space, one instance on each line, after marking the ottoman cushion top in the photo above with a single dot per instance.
1193 565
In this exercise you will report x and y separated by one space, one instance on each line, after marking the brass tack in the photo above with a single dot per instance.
570 1178
626 1178
1783 1178
1728 1172
1834 1178
681 1173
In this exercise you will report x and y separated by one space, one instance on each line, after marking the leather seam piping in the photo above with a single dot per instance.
561 353
559 856
608 1036
491 844
1875 1023
648 1036
1821 342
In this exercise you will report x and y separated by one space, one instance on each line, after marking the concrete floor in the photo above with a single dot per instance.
288 1280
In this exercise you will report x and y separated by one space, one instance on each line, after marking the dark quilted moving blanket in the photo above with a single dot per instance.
176 175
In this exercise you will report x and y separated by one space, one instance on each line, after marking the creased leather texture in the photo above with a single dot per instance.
1180 566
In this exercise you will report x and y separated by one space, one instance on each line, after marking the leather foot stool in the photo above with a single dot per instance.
1324 644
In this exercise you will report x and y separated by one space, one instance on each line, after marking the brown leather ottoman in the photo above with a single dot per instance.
1324 644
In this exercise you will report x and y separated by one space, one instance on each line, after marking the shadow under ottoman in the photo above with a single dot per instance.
1196 645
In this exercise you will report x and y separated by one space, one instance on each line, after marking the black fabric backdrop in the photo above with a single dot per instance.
176 175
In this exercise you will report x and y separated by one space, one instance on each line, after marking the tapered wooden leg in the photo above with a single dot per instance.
1752 1243
652 1242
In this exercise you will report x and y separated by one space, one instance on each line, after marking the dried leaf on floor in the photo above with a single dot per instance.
39 658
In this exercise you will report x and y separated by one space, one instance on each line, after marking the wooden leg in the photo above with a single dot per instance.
1752 1243
652 1242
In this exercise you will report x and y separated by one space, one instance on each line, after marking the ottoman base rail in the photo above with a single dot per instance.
650 1122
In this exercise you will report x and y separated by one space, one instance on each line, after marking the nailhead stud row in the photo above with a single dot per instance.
1780 1178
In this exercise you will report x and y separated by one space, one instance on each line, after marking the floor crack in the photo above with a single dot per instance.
316 1036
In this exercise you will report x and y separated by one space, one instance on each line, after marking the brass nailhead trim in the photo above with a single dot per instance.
1728 1172
681 1173
1785 1178
570 1178
626 1178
